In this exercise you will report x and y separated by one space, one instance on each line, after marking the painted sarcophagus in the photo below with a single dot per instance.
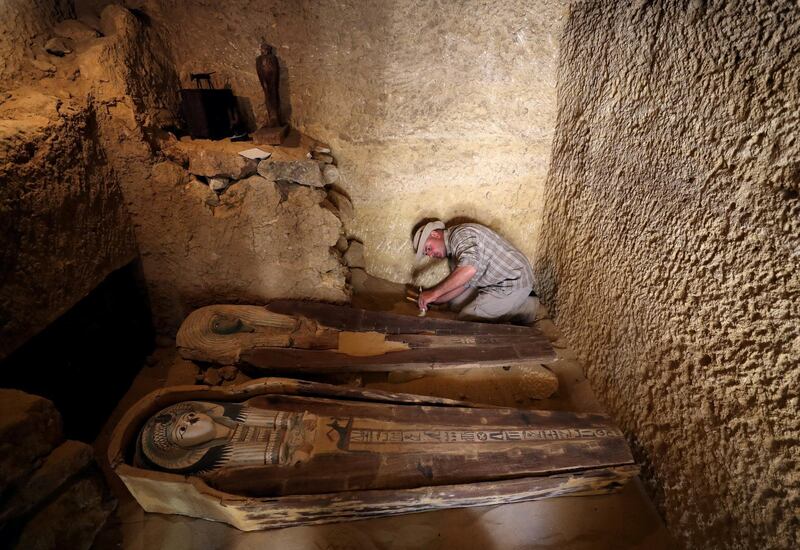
288 335
278 452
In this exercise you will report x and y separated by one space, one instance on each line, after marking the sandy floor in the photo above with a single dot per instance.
619 521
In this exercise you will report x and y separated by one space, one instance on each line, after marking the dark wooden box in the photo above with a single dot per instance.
210 114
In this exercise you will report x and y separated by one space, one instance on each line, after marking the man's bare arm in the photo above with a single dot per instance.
456 280
444 298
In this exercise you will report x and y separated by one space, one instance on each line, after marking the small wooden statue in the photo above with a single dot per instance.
268 71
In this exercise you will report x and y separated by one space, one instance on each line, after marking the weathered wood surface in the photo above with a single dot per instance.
360 320
567 464
293 336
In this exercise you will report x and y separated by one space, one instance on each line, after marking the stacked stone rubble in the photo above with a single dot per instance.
52 494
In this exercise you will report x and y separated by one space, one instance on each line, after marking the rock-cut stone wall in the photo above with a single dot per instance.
433 108
671 249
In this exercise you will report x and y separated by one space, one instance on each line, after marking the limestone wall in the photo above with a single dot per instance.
671 249
63 221
24 28
433 108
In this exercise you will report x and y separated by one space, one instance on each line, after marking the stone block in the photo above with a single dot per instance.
301 172
66 461
270 136
354 257
220 164
72 520
57 46
75 30
30 427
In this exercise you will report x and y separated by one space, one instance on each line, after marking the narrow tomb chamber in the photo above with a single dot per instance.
408 274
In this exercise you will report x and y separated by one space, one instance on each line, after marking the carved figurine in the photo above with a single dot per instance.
269 75
198 436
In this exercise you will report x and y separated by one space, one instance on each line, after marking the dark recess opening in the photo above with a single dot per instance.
86 359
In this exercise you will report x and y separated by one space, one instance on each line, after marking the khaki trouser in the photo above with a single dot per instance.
481 305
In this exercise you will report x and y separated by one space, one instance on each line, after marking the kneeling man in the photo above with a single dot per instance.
489 278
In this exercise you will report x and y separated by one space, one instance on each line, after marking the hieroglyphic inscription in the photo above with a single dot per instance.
361 435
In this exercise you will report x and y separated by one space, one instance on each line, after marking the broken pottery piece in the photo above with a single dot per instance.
276 452
302 172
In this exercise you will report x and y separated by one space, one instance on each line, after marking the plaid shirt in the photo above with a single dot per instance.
499 266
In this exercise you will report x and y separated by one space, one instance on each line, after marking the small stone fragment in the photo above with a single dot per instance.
212 377
330 173
43 65
322 157
220 164
354 257
116 18
301 172
322 150
228 372
57 46
204 194
218 184
342 244
343 205
75 30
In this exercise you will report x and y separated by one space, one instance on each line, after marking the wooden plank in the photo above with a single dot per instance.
172 494
263 361
360 320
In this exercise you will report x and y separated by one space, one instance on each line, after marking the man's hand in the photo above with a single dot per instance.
426 297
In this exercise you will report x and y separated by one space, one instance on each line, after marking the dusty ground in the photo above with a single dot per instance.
623 520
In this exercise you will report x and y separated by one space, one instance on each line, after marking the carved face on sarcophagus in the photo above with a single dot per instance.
200 437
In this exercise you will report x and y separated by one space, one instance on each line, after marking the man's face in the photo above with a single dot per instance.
434 246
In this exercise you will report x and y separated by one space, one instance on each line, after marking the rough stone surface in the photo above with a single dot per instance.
75 30
62 212
671 251
66 461
216 164
257 241
354 257
57 46
449 107
218 184
301 172
72 520
30 427
25 26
